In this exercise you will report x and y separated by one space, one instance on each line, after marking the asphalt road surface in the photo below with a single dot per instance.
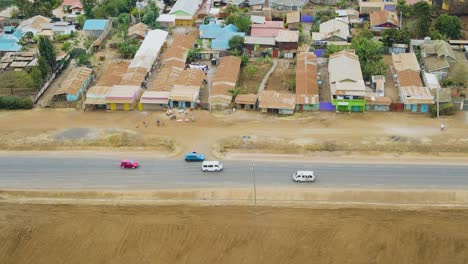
79 172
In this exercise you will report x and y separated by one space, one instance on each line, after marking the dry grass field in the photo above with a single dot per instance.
229 234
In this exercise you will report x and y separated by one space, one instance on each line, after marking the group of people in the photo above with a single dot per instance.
157 123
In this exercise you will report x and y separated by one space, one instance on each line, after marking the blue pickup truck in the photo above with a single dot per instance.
194 156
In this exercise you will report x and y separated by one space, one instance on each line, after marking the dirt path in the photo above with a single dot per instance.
265 79
229 234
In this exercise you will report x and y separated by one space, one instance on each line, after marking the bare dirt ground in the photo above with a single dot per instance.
229 234
219 133
324 84
283 77
250 84
390 89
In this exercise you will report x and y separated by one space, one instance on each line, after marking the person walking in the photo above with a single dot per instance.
442 127
157 122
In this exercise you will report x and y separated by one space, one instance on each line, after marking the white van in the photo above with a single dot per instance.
212 166
304 176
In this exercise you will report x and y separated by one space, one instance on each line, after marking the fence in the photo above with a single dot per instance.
52 78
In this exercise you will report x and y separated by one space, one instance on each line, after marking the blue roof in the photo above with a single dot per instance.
8 28
222 43
95 24
18 33
9 46
220 35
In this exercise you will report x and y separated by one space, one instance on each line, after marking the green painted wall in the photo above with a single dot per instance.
308 107
354 105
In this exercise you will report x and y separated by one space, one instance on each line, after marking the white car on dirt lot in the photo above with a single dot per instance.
304 176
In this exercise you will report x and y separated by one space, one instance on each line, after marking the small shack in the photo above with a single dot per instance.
246 101
154 100
77 81
277 102
377 103
183 96
96 97
122 97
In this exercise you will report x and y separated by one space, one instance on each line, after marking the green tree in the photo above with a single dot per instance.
28 36
88 6
124 19
422 10
449 26
151 14
26 8
335 48
232 9
251 70
43 67
128 48
15 79
46 50
236 43
66 46
341 3
394 36
370 56
402 7
36 76
80 20
241 21
436 35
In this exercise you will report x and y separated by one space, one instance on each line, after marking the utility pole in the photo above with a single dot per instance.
437 102
254 185
401 20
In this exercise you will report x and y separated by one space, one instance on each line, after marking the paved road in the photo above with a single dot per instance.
76 172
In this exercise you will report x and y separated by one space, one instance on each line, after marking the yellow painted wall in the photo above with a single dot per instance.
140 106
126 107
184 22
113 106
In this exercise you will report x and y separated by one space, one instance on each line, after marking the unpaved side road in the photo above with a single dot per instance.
229 234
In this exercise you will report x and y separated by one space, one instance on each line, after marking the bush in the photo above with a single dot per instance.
445 109
12 102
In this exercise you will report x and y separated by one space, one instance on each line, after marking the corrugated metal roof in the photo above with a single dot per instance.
293 17
416 95
257 19
189 7
155 97
226 76
277 100
184 93
113 73
259 40
95 24
122 94
409 78
405 61
246 98
287 36
381 17
75 80
306 78
149 50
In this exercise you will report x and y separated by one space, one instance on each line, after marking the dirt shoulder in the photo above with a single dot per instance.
220 133
310 197
229 234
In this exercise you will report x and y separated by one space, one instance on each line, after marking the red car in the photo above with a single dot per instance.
129 164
